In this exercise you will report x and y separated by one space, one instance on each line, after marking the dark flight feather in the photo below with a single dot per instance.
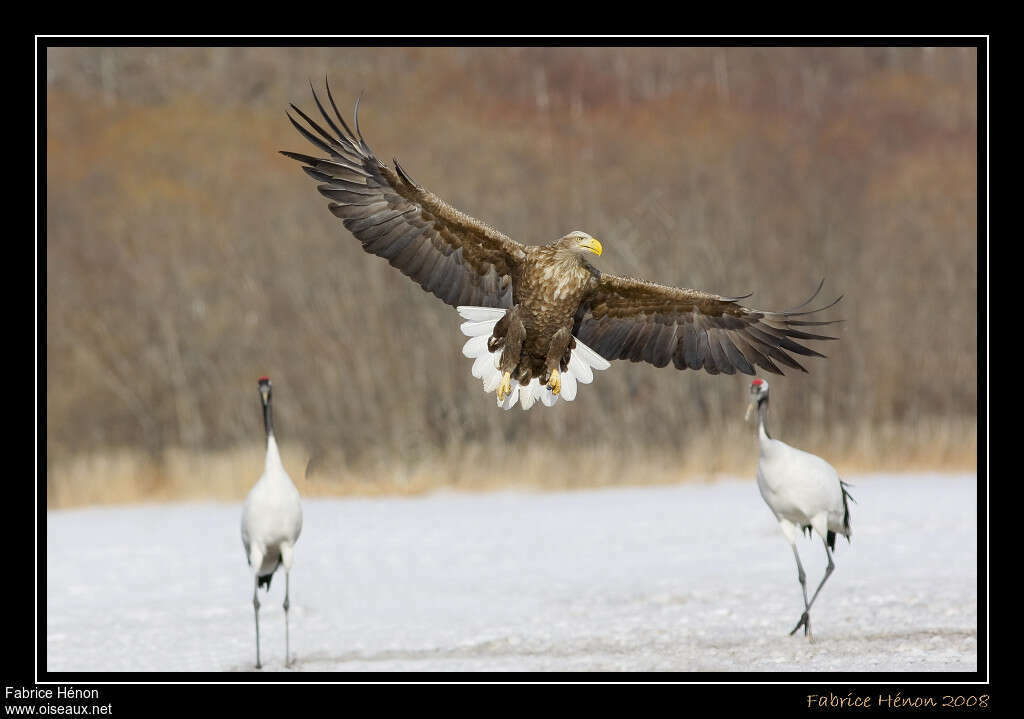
395 218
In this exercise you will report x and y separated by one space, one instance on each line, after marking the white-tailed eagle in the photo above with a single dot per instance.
540 318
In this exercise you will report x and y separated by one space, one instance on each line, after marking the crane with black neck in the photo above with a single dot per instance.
271 522
805 493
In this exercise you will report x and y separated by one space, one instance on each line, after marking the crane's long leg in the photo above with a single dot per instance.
287 643
802 576
828 572
805 620
287 557
256 611
792 532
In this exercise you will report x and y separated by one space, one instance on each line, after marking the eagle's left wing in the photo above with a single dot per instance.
624 318
458 258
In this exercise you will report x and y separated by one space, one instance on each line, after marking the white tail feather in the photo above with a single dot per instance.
481 314
580 368
492 381
478 327
483 365
591 357
474 329
568 385
547 397
529 394
474 346
510 401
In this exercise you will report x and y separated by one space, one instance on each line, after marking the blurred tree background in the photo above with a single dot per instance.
185 257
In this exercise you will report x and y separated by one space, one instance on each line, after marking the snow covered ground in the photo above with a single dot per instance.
683 578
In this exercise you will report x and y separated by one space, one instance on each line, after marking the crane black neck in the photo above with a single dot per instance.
268 417
762 414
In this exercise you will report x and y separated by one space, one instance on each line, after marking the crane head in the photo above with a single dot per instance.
264 385
758 392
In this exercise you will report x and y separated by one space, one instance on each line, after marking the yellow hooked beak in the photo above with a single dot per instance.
592 245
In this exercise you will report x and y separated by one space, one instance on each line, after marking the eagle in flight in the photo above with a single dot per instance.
540 318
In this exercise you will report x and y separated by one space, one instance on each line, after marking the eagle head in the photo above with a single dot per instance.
579 243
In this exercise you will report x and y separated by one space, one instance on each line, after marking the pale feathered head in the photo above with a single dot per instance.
579 243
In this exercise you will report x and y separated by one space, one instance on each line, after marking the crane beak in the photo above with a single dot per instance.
592 245
750 410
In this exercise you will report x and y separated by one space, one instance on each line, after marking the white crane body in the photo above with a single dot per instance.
801 488
272 517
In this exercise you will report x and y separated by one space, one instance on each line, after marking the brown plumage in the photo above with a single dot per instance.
555 298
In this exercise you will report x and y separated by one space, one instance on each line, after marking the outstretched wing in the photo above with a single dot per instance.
642 321
458 258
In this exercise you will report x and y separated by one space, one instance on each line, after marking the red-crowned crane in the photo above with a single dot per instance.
271 522
804 491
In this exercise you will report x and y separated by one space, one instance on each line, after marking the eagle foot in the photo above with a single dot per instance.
505 388
555 382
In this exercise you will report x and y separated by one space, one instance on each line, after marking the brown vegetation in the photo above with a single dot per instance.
185 257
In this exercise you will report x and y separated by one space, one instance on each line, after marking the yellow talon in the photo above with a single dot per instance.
555 382
505 388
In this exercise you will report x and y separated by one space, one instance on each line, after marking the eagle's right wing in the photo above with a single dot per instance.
454 256
624 318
